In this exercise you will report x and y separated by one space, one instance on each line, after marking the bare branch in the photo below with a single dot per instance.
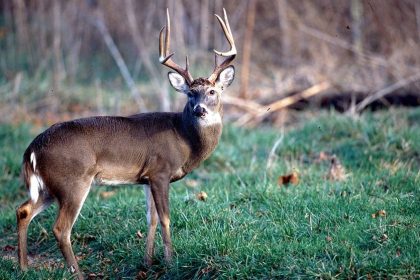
282 103
381 93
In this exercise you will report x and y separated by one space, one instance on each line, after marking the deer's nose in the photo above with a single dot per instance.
199 111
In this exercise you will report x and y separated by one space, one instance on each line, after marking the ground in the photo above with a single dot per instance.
365 225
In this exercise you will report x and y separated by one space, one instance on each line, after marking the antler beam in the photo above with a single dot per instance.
230 55
165 57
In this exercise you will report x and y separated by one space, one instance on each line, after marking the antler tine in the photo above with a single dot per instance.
167 32
228 34
164 48
231 54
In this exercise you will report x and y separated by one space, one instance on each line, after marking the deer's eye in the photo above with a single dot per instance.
212 92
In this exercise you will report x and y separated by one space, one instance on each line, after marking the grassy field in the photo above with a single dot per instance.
249 227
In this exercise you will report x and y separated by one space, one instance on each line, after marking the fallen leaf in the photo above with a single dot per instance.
384 237
80 257
206 270
139 234
337 172
106 195
201 196
141 275
292 178
382 213
379 213
9 248
398 252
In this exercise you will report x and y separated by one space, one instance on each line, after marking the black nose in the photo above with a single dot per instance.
199 111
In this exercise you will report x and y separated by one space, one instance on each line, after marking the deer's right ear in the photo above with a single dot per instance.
226 77
178 82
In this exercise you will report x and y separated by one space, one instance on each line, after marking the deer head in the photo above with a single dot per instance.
204 94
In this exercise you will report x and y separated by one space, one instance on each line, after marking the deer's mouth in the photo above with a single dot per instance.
200 115
200 111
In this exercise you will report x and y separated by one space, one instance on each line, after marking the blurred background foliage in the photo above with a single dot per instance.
65 59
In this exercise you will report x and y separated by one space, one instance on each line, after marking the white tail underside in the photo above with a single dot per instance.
35 181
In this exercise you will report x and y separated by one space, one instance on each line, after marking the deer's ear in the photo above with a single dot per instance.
226 77
178 82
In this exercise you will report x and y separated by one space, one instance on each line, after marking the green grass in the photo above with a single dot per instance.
249 227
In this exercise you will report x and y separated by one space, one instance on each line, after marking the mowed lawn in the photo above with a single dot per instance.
249 227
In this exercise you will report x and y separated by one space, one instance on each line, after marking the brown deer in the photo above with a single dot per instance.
153 149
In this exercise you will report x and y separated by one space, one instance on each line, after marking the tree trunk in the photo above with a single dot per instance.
285 32
356 9
59 73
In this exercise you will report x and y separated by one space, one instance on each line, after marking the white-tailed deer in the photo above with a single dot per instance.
153 149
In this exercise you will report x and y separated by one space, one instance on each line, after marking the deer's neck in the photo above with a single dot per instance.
203 136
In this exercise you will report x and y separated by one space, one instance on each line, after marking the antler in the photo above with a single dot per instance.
230 55
165 58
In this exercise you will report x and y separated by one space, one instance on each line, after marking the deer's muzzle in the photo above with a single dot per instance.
199 111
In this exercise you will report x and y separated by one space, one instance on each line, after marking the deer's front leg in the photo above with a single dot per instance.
160 190
152 219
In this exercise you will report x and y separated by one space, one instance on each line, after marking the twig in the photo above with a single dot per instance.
272 154
282 103
371 58
340 43
287 101
381 93
335 41
17 81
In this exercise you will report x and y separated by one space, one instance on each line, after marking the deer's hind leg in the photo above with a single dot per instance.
24 215
70 199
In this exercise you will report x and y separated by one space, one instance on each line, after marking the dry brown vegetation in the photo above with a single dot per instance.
85 55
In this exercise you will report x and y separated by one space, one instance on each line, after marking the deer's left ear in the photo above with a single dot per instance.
226 77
